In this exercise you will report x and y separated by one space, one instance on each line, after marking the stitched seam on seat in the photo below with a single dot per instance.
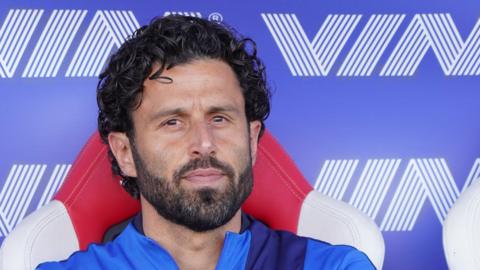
75 165
52 216
355 233
84 180
290 183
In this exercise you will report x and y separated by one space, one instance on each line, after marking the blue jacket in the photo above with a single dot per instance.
255 247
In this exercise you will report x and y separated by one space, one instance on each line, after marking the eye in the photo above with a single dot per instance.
171 123
218 119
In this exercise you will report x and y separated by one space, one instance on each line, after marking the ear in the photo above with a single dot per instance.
254 132
122 150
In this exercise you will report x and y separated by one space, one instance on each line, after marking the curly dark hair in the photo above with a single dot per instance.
170 41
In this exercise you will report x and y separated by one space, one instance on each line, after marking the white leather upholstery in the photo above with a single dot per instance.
321 217
461 231
25 246
337 222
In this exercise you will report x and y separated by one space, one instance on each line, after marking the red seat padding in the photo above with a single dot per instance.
95 200
279 187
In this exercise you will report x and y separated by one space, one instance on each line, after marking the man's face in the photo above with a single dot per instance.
193 146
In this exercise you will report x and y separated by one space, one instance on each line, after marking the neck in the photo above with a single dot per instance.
191 250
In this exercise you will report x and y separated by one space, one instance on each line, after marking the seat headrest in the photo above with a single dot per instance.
95 200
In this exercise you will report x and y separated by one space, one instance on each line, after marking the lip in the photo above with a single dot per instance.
204 176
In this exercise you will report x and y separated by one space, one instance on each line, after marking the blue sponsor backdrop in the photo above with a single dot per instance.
376 101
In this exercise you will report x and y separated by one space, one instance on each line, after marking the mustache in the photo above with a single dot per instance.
203 163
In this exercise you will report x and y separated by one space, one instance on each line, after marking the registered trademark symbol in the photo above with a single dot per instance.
215 17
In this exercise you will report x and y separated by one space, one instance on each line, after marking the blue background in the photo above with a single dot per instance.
316 118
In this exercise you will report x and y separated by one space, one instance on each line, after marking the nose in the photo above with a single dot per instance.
202 141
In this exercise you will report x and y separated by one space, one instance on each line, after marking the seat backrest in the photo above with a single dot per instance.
461 231
91 200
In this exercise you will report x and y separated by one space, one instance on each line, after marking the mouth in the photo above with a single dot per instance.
204 176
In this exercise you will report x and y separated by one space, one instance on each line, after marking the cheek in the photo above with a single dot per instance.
235 151
161 149
155 160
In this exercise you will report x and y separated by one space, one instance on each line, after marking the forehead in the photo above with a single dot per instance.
204 82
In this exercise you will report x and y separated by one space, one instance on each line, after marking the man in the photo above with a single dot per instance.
182 105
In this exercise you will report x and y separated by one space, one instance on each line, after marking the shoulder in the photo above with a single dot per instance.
91 258
276 249
130 250
96 256
321 255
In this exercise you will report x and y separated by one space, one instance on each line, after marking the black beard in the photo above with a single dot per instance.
199 210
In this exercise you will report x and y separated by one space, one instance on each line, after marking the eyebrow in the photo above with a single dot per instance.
228 108
163 113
